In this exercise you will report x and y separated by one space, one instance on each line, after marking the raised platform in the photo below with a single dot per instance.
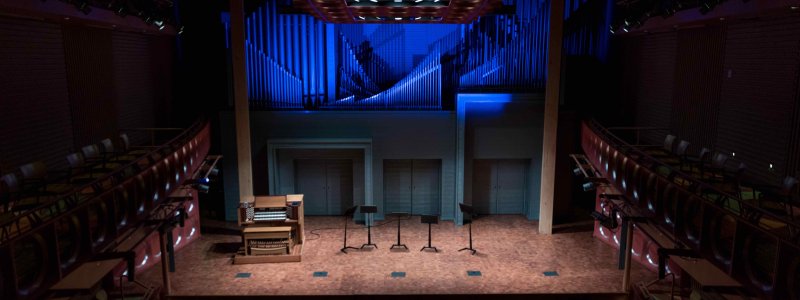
512 260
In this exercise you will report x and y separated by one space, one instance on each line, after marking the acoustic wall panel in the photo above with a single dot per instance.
759 92
656 72
133 83
89 73
698 80
34 111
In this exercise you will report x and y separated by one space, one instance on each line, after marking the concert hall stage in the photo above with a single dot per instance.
512 259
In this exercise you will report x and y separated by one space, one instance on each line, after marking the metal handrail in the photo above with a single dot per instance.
624 147
49 211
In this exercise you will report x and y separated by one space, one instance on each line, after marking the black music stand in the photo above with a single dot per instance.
347 214
467 210
369 210
429 219
398 215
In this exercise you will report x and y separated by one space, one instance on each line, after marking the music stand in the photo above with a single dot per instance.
347 214
398 215
429 219
369 210
467 210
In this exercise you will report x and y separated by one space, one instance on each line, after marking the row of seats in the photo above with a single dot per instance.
33 183
725 172
736 236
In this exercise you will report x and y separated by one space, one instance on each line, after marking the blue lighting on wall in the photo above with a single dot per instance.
295 62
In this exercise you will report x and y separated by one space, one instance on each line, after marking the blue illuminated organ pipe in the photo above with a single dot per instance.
353 80
289 64
586 32
285 56
419 90
506 51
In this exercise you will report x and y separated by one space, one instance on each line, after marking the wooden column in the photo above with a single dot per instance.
240 101
552 93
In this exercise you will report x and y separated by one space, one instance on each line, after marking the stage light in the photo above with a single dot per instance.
160 24
588 186
83 6
707 6
577 171
201 185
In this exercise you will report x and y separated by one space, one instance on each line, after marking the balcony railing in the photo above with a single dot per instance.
753 245
43 244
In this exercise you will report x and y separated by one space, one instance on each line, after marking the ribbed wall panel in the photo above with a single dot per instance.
34 105
698 80
162 51
133 83
656 77
89 76
759 93
793 149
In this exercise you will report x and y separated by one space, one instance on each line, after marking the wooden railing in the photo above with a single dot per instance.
43 244
753 245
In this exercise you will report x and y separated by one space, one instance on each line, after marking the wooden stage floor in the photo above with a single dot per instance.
512 259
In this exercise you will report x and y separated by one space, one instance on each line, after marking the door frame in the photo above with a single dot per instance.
273 145
462 99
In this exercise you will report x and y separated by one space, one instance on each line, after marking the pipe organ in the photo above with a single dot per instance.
272 229
295 61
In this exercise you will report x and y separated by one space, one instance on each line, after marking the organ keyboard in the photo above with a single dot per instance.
269 215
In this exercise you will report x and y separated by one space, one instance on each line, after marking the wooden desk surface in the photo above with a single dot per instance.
704 272
87 276
261 229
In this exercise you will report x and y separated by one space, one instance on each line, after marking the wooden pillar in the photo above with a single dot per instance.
552 96
240 101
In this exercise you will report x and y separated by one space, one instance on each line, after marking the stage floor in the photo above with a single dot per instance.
512 259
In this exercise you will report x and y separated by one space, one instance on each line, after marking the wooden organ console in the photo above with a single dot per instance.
272 229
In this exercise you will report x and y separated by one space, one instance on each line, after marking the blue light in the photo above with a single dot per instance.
296 62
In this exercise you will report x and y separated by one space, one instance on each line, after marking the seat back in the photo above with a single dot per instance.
126 142
34 171
789 185
90 151
108 145
719 160
680 150
75 160
11 182
669 143
703 154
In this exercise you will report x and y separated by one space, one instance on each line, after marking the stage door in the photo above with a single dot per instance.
327 185
499 185
412 186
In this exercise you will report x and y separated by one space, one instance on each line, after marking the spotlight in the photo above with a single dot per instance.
707 6
83 6
588 186
201 184
180 30
577 171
